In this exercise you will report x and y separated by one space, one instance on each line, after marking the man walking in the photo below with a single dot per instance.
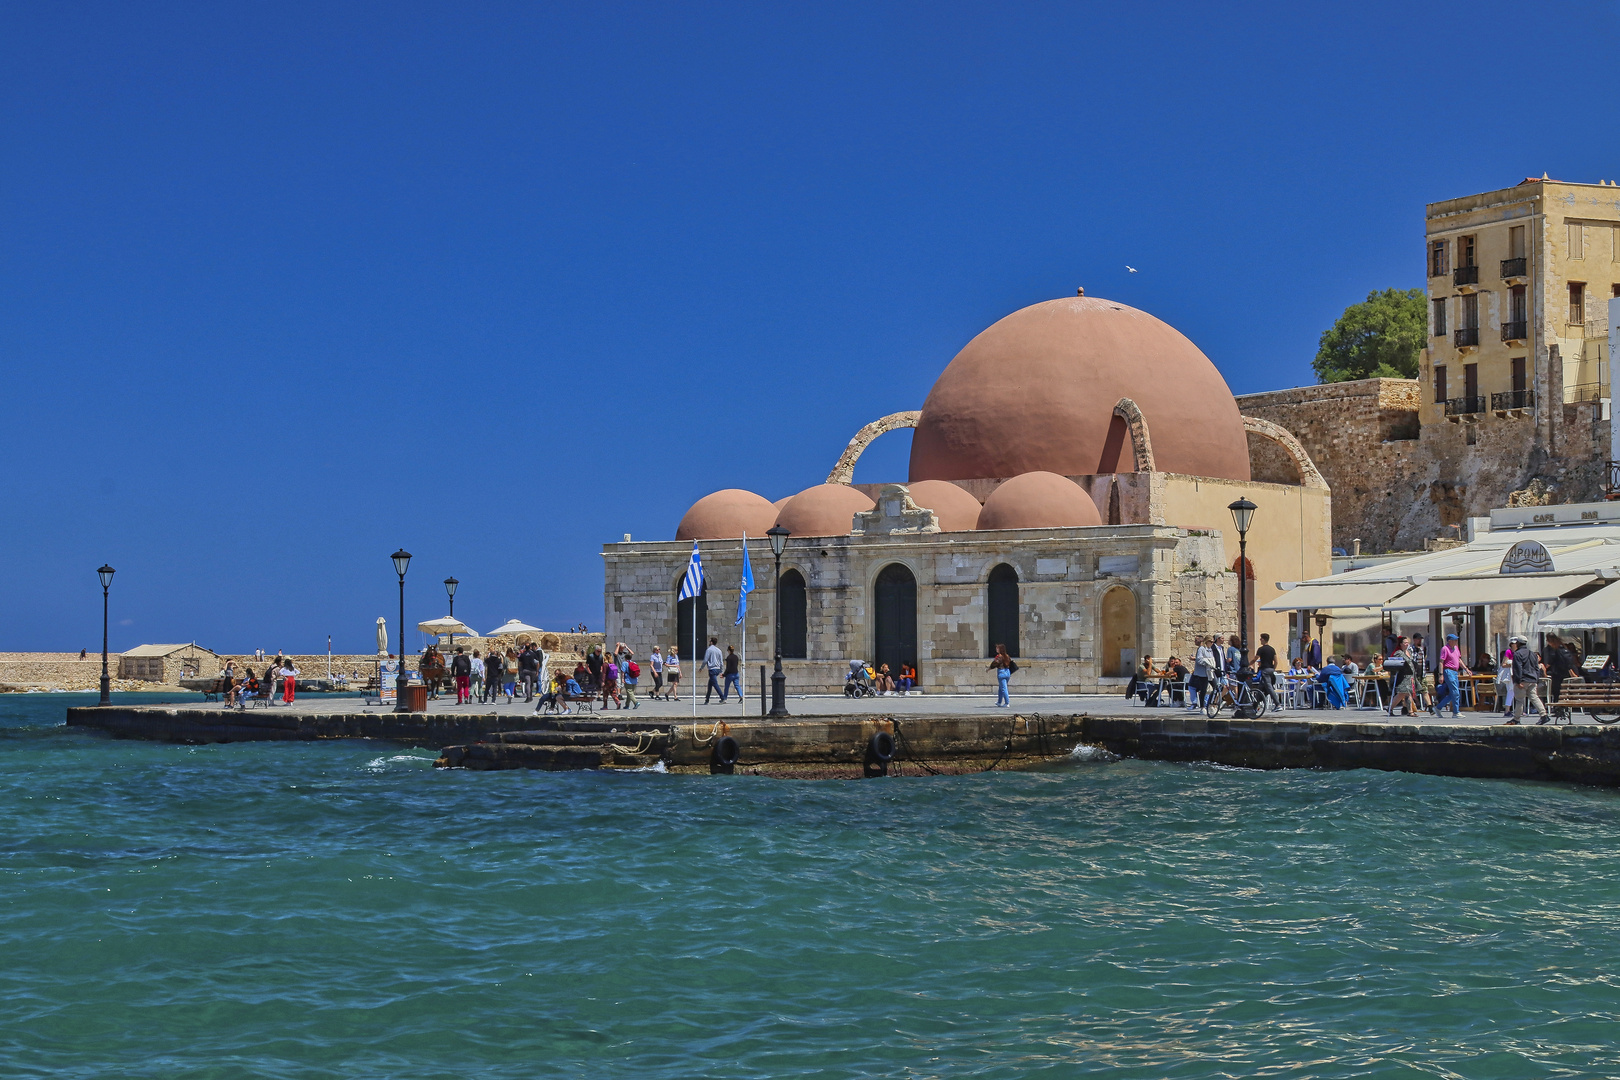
1526 680
461 669
715 662
528 670
494 670
1450 678
1267 657
733 668
656 663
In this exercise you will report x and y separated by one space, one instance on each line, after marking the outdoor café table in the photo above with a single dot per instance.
1301 690
1480 688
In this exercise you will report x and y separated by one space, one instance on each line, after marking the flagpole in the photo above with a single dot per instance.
742 670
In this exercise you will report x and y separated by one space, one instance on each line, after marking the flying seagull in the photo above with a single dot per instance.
1132 269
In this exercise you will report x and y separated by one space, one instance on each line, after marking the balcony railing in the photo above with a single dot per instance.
1514 267
1591 391
1464 406
1611 485
1515 331
1465 275
1512 400
1468 336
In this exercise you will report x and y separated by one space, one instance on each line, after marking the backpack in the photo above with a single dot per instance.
634 670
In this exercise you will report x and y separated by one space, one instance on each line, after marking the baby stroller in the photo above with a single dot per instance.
857 683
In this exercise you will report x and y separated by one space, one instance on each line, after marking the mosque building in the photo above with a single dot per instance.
1069 481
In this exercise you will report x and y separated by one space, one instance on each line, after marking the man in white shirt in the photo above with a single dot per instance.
715 661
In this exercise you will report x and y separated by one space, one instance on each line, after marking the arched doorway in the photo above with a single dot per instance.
683 626
1118 653
795 601
1002 601
894 608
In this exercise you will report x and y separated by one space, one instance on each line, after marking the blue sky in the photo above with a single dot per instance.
284 287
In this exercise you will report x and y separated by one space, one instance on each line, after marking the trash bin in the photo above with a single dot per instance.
416 698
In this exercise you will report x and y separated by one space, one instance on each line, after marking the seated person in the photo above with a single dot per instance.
1177 671
247 688
1144 683
908 678
885 681
571 692
1350 668
1334 685
554 686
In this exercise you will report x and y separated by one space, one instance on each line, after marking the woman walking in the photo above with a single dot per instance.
1003 666
289 681
656 663
672 674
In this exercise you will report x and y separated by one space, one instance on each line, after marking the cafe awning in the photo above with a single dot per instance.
1600 611
1328 597
1490 589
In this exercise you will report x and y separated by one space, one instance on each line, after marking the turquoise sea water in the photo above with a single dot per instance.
345 910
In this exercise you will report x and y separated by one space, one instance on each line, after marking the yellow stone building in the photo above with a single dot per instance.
1519 286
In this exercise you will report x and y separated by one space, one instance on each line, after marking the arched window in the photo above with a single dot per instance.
1002 603
795 602
683 625
894 608
1118 654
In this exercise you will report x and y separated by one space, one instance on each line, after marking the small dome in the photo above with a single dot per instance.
726 515
1038 500
956 510
824 510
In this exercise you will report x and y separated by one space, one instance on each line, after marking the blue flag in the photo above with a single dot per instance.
692 584
747 584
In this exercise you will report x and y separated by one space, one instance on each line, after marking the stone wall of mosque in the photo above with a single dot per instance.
1175 579
1397 484
59 671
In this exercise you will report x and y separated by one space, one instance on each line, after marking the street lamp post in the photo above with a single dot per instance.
1242 513
778 537
402 560
450 584
105 573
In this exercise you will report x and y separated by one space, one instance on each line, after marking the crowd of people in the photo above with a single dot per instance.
238 687
1416 684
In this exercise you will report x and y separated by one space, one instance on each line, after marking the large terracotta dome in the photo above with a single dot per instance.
727 515
955 509
1038 500
824 510
1036 392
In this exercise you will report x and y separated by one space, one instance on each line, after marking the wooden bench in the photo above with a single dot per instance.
1600 701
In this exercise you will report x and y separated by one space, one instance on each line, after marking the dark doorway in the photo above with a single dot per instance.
1003 605
683 627
795 615
895 609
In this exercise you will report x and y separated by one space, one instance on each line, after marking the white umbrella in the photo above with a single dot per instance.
446 625
512 628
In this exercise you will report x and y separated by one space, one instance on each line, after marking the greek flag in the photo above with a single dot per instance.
692 584
747 585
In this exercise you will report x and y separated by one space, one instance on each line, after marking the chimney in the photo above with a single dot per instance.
1355 547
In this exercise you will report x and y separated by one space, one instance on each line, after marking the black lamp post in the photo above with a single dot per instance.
1242 513
778 537
402 560
106 572
450 584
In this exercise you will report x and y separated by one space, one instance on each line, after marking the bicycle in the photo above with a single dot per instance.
1246 696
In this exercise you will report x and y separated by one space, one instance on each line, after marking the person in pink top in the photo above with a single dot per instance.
1451 669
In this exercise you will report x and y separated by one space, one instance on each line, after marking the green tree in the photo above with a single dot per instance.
1377 339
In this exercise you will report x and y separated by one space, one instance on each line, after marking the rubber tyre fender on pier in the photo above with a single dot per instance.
723 758
881 746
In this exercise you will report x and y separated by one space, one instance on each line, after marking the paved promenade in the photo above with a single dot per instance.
896 705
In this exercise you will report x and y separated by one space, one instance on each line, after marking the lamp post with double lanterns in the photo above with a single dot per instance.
106 574
450 584
402 561
1242 514
778 537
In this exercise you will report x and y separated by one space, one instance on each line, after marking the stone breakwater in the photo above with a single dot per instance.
812 747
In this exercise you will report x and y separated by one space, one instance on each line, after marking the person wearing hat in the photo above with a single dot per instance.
1451 669
1527 672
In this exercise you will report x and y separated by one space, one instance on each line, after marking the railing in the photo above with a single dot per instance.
1515 331
1612 470
1464 406
1465 275
1513 399
1467 336
1514 267
1590 391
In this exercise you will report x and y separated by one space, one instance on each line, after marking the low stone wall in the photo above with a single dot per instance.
59 671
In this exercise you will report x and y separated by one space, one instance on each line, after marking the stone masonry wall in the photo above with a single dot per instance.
1396 485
